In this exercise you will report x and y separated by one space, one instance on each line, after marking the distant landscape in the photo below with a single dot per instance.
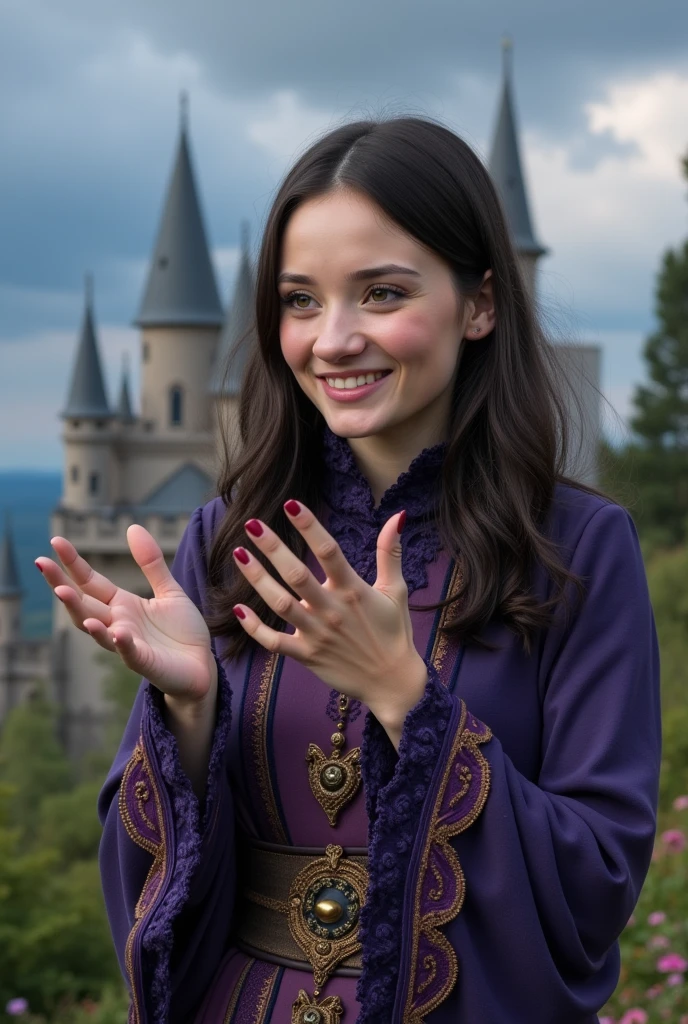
30 497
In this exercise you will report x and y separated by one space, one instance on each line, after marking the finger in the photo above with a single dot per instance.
322 544
270 639
274 595
150 559
291 569
79 607
100 633
80 572
390 577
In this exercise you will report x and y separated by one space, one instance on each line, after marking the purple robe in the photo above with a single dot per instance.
508 839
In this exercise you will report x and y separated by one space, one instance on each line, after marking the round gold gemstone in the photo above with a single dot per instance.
312 1016
337 740
323 948
328 911
332 777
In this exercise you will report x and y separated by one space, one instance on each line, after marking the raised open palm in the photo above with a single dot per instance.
163 638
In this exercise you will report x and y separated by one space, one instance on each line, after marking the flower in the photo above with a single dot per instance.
655 991
16 1007
671 962
607 1020
681 804
656 917
675 979
634 1016
658 942
674 840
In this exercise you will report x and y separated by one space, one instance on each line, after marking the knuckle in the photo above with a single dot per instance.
297 577
334 619
351 597
272 643
283 604
328 549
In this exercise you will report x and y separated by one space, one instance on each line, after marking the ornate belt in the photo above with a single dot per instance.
300 908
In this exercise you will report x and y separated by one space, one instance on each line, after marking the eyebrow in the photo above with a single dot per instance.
355 275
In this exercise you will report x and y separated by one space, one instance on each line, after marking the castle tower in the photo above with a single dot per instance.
579 365
10 620
237 338
89 467
507 172
180 314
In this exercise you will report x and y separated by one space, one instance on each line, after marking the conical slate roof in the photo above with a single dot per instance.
124 409
87 391
10 585
507 171
238 333
181 289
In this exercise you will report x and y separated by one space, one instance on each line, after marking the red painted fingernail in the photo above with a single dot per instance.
242 555
401 521
254 527
239 612
37 564
292 507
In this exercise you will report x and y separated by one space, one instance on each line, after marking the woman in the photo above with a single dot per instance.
329 805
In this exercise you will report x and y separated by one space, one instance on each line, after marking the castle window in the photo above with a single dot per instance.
175 405
145 352
93 483
75 474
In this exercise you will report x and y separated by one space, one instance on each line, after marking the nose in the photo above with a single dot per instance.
339 336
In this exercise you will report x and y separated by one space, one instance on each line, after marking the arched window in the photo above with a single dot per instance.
175 405
93 483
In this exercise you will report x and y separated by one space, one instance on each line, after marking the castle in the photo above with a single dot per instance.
155 466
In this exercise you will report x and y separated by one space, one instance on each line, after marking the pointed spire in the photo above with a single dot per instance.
238 331
181 289
506 168
87 391
10 585
124 409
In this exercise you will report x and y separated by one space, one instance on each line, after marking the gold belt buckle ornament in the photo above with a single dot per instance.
324 905
307 1011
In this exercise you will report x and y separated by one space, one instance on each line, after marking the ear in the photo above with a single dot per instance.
481 321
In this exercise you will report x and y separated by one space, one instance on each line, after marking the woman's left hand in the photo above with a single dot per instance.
356 638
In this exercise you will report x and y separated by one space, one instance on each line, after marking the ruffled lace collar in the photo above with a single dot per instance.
356 522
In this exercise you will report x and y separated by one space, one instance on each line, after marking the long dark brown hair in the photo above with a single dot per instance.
509 438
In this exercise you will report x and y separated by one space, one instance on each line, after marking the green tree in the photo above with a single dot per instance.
32 762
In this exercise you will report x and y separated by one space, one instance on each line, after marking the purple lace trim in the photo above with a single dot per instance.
396 792
190 827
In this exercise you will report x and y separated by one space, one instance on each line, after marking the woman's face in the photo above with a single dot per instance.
360 296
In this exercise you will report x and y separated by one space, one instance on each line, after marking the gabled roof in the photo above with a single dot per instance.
181 289
507 171
87 396
10 585
182 492
238 333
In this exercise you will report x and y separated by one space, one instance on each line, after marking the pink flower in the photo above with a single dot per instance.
671 962
681 804
655 991
674 840
16 1007
634 1016
607 1020
658 942
656 917
675 979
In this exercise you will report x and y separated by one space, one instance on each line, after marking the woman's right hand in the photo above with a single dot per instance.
163 638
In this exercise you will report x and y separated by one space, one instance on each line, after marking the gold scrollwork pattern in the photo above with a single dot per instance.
440 886
140 809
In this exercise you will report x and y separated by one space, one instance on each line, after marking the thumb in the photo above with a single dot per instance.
389 574
149 557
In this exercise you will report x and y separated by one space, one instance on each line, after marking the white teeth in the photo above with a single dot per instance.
346 383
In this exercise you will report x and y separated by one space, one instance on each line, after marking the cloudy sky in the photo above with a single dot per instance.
89 117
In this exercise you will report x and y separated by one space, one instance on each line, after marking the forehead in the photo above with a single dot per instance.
344 226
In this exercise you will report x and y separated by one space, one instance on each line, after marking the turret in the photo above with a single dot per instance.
87 418
180 314
10 589
507 173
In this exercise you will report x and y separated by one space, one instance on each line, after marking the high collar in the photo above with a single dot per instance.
348 492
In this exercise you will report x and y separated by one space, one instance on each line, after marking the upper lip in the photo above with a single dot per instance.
354 373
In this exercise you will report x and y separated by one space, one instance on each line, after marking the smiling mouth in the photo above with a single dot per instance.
352 381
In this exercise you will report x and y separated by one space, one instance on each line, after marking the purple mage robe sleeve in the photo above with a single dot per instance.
515 919
167 863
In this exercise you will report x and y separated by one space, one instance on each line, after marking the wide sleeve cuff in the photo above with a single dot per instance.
434 789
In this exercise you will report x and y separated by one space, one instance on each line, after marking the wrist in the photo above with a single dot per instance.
194 711
391 713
